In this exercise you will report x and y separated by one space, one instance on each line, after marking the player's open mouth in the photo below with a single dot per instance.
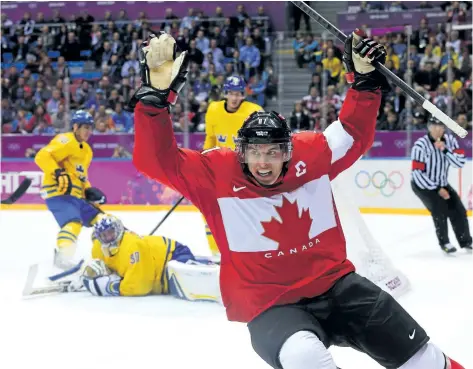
264 173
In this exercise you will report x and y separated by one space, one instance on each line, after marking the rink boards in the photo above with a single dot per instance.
379 186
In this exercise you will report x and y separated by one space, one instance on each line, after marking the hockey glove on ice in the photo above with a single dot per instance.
358 55
64 184
96 196
162 74
107 285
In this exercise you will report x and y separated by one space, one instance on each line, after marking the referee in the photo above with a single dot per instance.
432 156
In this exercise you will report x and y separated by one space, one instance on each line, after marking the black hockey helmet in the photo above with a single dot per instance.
264 128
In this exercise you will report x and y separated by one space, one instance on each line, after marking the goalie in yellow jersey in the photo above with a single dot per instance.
126 264
223 120
66 189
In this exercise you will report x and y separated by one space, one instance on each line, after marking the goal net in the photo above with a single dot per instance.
363 249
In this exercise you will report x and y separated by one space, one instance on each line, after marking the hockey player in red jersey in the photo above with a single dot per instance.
269 205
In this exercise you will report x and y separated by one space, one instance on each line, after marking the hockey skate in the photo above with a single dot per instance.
467 248
448 248
63 260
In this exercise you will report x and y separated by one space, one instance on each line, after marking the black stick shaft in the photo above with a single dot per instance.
426 104
342 37
167 215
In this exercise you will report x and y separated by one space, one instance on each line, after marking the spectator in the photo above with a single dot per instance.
70 50
20 49
461 102
256 91
26 102
462 120
202 42
428 78
52 106
429 57
399 46
121 121
97 100
333 65
312 103
195 55
42 93
217 55
250 57
131 63
60 119
8 116
299 120
40 122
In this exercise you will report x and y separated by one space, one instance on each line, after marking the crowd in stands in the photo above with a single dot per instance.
39 56
438 64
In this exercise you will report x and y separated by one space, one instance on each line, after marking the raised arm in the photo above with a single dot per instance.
353 133
156 153
454 154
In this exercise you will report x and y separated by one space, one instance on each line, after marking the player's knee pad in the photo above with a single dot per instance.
194 282
431 357
304 350
67 236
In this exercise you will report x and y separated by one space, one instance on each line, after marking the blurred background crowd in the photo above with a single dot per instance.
51 67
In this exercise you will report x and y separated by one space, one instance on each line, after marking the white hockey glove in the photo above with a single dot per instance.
162 73
107 285
359 54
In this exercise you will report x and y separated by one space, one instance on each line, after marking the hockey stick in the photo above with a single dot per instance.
20 191
426 104
29 290
167 215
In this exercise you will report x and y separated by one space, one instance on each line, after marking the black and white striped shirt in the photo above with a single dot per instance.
430 165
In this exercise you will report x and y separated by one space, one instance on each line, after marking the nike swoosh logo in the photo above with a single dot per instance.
236 189
411 336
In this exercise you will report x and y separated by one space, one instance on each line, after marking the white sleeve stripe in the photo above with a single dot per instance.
338 140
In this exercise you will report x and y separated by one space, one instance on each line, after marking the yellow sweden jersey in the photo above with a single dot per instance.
141 262
64 151
221 127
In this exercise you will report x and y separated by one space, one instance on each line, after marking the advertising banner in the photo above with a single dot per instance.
153 9
379 185
119 179
103 146
386 144
382 19
386 184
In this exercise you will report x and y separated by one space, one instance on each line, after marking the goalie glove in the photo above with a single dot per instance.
359 54
95 268
107 285
162 74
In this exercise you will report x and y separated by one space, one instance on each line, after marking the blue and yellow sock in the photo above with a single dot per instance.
67 238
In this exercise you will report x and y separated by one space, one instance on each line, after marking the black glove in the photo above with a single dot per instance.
94 195
64 184
358 55
163 97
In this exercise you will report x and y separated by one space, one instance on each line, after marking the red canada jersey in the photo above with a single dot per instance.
278 245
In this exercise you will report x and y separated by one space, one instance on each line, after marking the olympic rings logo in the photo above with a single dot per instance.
380 182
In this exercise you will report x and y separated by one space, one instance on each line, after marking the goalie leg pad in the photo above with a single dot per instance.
194 282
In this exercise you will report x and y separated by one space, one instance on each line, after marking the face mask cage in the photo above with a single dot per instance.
109 237
268 153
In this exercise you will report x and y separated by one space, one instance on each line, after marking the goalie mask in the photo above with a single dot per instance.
264 147
109 232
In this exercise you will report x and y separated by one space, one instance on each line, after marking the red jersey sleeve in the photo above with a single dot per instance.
352 134
157 155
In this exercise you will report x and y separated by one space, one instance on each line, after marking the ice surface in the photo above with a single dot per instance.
80 331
